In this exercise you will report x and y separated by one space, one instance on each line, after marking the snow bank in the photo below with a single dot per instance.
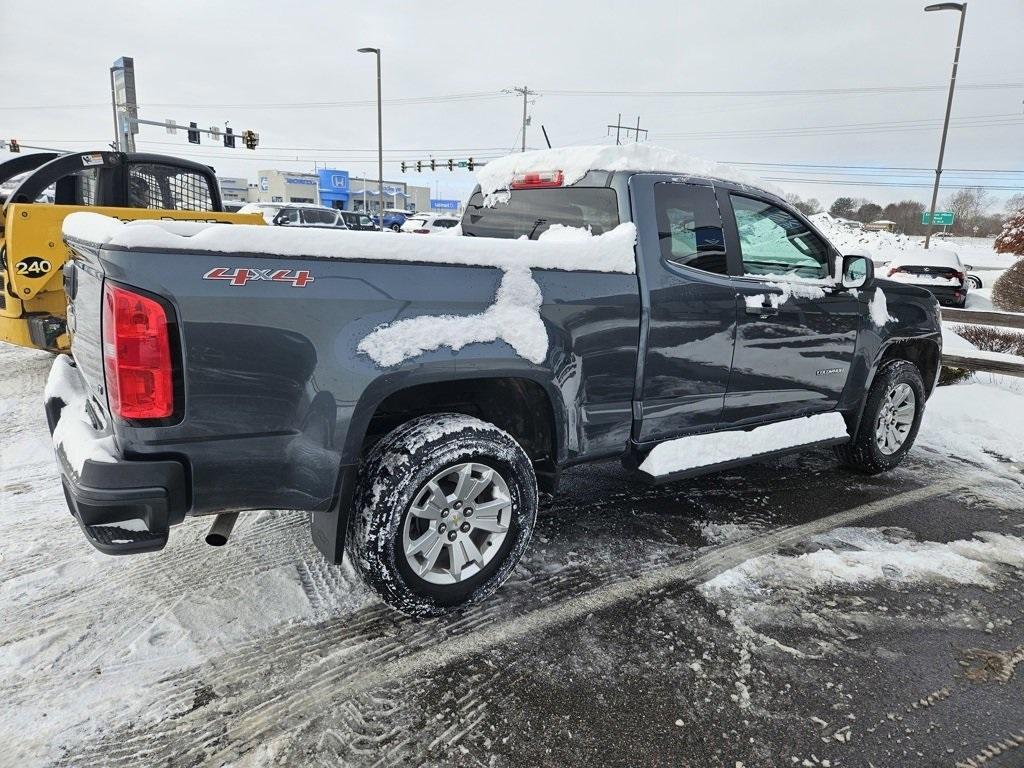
576 162
705 450
979 422
74 431
879 246
609 252
863 557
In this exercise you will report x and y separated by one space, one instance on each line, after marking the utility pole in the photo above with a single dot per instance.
962 7
619 127
525 92
380 137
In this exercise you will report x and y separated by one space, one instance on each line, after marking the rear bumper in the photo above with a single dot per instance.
947 295
104 490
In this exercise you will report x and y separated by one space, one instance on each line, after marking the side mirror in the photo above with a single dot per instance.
968 267
858 272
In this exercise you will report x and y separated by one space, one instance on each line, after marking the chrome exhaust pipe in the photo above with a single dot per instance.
221 529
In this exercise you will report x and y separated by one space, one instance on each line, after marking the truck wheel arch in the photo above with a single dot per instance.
524 406
922 352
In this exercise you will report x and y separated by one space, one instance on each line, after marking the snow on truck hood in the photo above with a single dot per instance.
580 251
576 162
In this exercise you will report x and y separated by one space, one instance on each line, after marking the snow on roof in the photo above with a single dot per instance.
608 252
933 257
576 162
883 221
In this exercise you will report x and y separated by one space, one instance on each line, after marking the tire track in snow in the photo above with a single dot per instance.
314 688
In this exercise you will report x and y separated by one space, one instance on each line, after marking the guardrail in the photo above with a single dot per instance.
984 317
977 360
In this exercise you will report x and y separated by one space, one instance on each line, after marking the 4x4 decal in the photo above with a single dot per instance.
242 275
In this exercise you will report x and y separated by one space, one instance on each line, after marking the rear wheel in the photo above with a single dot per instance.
889 424
444 509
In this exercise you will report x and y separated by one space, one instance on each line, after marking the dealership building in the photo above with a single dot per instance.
336 188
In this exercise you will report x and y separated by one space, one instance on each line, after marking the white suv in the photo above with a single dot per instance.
429 223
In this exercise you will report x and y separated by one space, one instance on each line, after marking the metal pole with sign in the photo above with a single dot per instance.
962 7
126 107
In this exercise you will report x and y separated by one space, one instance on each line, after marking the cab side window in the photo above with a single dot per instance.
774 242
690 227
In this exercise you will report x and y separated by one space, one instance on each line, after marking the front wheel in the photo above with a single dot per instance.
444 509
889 424
396 227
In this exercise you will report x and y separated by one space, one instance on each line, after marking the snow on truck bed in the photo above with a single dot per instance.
608 252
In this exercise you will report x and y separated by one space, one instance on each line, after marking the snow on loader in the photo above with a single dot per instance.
33 304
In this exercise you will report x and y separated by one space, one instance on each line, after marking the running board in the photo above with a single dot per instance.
707 469
712 451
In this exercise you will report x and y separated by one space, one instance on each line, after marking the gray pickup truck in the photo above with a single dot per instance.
416 394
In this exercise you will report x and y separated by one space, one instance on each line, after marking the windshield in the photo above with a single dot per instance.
531 212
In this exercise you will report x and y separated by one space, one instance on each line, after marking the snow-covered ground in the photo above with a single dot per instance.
261 652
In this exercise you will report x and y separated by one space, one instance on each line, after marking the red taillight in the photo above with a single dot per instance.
422 231
537 180
893 271
959 276
136 356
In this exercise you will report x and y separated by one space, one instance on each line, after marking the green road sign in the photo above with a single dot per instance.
463 163
942 218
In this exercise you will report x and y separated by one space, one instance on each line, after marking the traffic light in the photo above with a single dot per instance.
15 146
433 164
419 166
229 138
193 133
251 139
403 166
469 165
451 164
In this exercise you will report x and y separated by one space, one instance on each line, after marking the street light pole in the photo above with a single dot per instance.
380 137
962 7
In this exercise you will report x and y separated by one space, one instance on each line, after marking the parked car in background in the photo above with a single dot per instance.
428 223
309 216
267 210
938 270
357 221
234 206
394 218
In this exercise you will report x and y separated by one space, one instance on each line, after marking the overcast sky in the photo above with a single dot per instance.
261 65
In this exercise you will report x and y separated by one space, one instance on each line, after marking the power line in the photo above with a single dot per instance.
785 92
478 95
411 100
872 167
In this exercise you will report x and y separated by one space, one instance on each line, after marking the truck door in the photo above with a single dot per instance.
794 340
687 341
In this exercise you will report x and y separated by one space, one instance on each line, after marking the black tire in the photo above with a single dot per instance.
862 454
390 480
396 227
975 282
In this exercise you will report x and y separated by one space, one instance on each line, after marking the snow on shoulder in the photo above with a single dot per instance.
577 162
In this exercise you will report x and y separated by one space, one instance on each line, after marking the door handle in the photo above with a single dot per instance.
762 310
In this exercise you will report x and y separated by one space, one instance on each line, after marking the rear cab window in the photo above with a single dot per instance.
531 212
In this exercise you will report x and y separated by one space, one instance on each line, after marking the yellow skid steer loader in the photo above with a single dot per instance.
133 186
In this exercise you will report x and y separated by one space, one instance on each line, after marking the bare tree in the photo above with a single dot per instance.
968 206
